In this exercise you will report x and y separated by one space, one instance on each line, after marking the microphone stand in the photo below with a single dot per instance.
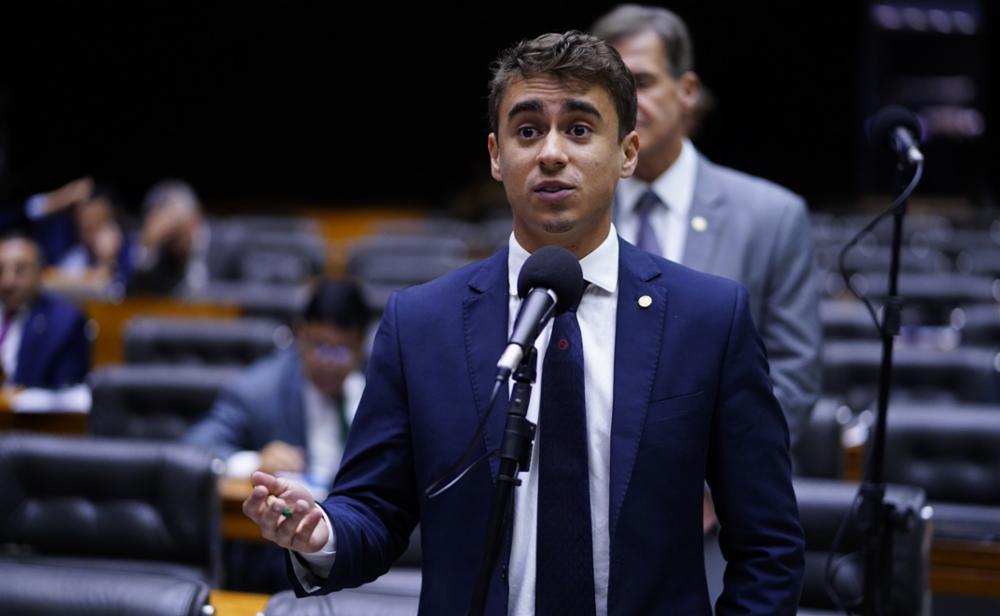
877 518
515 456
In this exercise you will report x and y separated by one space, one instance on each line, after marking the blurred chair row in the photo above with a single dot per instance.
96 526
99 526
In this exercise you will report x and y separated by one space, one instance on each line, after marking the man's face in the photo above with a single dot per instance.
665 102
20 273
557 152
329 354
92 216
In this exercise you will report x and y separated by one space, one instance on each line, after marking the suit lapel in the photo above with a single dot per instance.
706 219
637 352
32 350
484 323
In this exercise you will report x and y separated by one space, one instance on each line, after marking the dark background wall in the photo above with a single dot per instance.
289 103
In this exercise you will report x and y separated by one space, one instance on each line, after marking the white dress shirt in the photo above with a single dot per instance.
11 344
597 318
675 188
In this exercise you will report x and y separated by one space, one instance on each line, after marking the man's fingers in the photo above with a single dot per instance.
303 535
275 485
253 504
286 532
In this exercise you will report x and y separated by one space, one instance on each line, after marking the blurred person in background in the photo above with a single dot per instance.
48 217
42 339
684 207
180 250
172 247
289 414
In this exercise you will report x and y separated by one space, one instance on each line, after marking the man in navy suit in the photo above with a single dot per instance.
42 339
675 383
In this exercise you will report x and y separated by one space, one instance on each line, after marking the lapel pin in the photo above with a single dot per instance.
645 301
699 224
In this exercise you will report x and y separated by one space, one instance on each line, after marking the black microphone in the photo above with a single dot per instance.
898 128
550 282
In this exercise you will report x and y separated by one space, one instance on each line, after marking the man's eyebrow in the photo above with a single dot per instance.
569 105
528 106
575 104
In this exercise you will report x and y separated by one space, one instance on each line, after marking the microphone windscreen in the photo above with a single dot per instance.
888 118
556 269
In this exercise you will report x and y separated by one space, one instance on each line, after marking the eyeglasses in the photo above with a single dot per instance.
339 353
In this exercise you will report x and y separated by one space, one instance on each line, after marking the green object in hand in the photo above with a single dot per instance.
287 512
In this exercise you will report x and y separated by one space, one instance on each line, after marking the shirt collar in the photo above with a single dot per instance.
600 267
675 186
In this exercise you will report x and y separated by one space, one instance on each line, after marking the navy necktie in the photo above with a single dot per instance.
564 575
646 237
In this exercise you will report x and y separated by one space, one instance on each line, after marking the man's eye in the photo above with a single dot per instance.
579 130
527 132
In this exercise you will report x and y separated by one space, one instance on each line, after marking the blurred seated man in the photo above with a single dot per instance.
289 413
172 249
42 339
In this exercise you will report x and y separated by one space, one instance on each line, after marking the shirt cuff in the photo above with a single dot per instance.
36 207
312 568
242 464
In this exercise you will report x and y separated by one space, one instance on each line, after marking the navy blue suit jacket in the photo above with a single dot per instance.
54 350
692 401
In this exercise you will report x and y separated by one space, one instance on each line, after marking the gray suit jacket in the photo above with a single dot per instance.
757 233
264 403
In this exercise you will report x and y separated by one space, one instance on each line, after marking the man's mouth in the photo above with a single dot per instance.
553 191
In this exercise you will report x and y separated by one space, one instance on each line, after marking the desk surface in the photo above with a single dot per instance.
228 603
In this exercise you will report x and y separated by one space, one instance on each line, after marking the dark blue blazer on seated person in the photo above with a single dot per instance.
54 350
692 401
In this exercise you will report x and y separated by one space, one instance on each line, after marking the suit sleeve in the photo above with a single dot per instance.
74 358
374 504
225 430
790 325
750 475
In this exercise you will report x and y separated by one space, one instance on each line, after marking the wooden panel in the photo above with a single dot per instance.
235 525
51 423
965 567
110 319
228 603
340 227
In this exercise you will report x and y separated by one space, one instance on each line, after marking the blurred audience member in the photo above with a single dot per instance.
289 414
49 217
101 254
172 248
102 247
42 340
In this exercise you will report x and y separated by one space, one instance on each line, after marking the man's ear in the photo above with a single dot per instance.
689 91
494 148
630 154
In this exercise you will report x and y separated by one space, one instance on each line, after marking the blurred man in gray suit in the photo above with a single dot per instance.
718 220
683 207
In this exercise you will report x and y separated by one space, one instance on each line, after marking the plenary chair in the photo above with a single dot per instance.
823 506
110 504
44 590
203 341
153 401
953 453
963 374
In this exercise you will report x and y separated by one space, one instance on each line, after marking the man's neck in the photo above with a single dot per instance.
653 164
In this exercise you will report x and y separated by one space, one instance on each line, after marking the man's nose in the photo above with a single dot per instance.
553 153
